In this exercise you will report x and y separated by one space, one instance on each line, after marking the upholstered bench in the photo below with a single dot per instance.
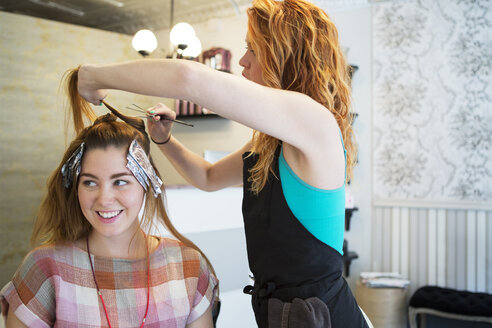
451 304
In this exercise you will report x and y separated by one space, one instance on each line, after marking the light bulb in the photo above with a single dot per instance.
194 49
181 33
144 42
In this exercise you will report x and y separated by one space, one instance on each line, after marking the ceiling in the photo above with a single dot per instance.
125 16
129 16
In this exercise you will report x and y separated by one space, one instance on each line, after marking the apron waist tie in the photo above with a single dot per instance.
264 292
268 290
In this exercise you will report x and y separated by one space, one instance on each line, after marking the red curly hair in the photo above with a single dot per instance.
297 47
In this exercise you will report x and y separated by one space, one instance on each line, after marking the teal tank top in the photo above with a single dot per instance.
320 211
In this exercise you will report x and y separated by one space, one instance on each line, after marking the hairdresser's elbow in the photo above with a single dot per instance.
204 186
209 189
187 77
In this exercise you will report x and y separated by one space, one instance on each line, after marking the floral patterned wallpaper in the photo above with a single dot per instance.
432 109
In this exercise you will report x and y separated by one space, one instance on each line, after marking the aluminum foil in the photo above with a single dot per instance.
72 165
139 164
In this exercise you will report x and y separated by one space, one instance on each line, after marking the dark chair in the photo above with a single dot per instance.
454 305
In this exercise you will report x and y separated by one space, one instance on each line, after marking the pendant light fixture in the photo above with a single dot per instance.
183 38
194 48
144 42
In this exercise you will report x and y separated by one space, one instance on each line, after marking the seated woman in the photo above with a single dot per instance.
95 264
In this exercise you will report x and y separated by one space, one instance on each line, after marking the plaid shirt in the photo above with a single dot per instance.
54 286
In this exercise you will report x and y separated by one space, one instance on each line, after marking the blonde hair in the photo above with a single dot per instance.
59 218
297 47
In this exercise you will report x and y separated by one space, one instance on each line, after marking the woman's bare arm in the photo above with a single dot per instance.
202 174
205 321
308 128
289 116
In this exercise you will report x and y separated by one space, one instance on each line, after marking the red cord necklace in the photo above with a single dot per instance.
99 292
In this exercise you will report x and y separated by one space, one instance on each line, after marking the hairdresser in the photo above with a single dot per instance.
295 95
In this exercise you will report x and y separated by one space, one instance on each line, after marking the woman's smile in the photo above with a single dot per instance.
109 216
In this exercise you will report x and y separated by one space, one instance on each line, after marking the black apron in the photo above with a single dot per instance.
287 261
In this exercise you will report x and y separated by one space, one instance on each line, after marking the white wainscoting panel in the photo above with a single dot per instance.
446 247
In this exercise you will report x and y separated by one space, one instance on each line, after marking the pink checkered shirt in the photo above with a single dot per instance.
54 287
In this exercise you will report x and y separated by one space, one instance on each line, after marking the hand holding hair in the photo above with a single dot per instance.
87 87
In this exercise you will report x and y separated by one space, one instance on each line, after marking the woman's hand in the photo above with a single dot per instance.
87 86
160 129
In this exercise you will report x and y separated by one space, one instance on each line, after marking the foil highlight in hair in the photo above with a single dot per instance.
72 165
139 164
